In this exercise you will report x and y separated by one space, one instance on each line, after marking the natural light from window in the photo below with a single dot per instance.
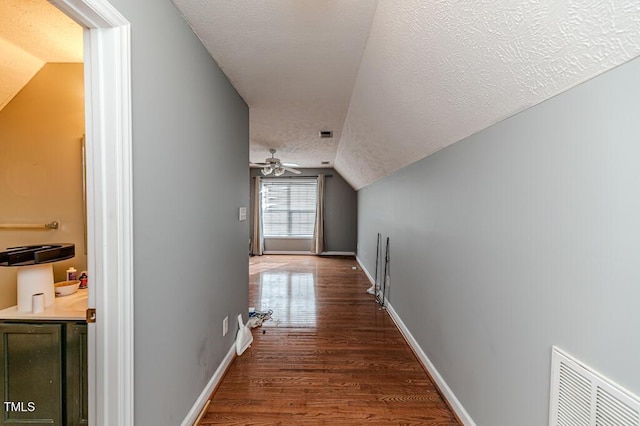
289 207
291 296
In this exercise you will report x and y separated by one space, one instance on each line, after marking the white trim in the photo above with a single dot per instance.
302 253
307 252
446 391
371 279
92 13
217 377
109 209
451 398
337 253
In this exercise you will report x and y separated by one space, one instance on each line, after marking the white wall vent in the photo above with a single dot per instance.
580 396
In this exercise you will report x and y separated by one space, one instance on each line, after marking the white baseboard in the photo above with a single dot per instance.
193 414
365 270
447 393
308 253
455 404
304 253
337 253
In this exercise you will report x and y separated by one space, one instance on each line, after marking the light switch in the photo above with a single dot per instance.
242 214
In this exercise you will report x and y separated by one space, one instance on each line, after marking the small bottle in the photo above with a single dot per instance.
72 274
84 279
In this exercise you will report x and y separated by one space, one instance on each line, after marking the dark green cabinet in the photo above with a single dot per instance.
44 373
77 375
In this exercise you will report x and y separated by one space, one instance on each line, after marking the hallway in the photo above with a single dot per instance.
328 355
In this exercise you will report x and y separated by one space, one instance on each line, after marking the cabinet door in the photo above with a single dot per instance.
77 375
31 373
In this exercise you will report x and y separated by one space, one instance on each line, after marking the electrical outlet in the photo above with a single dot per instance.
225 326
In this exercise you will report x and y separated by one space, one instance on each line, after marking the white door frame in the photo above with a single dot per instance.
107 75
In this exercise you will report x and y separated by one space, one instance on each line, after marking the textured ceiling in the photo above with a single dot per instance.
33 32
293 61
436 72
398 80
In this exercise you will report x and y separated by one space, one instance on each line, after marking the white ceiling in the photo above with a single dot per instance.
33 32
397 80
293 61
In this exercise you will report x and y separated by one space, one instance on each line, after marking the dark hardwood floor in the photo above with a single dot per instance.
329 355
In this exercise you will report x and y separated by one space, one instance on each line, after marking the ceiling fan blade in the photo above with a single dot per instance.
290 164
258 164
294 171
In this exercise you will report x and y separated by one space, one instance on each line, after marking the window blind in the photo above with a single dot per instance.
289 207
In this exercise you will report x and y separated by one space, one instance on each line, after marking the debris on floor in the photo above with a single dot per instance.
256 318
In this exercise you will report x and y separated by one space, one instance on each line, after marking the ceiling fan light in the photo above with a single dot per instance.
267 170
279 171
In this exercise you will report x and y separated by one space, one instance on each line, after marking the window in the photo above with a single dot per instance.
289 207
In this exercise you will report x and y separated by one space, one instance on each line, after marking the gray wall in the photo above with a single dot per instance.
190 176
522 236
340 220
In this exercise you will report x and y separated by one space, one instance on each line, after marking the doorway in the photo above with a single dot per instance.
41 202
109 208
107 75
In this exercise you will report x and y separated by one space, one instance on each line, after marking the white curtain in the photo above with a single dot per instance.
257 240
317 244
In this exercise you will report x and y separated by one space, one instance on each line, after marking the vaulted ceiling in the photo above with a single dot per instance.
32 33
397 80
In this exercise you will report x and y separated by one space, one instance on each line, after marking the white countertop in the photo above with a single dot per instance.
72 307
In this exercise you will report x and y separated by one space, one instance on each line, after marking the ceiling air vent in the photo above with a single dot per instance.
580 396
324 163
326 134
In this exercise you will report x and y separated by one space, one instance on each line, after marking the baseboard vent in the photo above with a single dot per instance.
580 396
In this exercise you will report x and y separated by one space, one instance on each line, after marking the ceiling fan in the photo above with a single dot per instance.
273 165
